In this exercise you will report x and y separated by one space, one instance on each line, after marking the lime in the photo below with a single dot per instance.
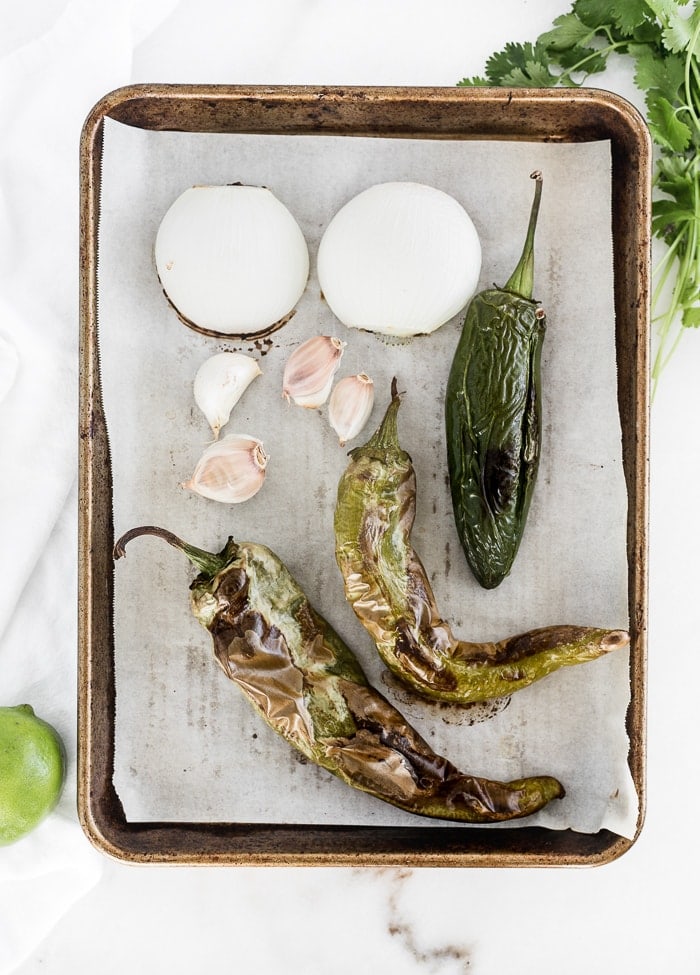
32 771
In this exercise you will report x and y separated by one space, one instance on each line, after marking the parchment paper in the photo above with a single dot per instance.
188 745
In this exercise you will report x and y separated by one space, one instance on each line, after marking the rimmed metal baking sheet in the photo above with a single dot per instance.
557 116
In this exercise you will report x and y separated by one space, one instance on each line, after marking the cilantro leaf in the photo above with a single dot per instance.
677 27
540 75
648 32
668 211
501 64
568 32
663 74
475 82
587 60
677 35
668 218
596 14
673 177
665 125
691 316
533 74
630 15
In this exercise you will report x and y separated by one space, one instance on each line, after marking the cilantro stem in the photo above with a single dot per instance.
688 245
664 267
600 52
692 67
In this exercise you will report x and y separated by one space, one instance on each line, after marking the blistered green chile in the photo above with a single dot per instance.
492 417
306 683
389 589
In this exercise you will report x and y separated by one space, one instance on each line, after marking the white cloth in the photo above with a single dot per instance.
63 61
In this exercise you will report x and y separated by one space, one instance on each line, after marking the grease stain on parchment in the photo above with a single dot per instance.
450 714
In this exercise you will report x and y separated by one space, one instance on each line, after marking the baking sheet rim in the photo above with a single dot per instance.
98 809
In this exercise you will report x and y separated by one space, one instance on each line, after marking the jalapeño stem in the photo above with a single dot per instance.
521 280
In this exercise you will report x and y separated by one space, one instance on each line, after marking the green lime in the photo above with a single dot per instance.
32 771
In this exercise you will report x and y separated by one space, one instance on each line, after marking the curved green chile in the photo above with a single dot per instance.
389 589
492 417
308 686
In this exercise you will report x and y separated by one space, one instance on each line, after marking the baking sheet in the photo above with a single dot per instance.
188 747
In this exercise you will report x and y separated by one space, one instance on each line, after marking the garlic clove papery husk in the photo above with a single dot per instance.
232 260
230 470
350 406
399 258
220 382
310 369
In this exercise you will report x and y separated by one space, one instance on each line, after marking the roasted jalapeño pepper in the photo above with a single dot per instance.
390 591
308 686
492 417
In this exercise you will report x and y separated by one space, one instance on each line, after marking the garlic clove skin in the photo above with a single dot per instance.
309 371
350 406
220 382
231 470
400 258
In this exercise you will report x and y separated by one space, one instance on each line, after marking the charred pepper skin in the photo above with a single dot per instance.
492 417
390 592
309 687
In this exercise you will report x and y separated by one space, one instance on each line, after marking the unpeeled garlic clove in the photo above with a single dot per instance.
220 382
230 470
350 406
308 374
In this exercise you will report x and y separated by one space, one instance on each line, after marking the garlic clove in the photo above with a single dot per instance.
350 406
230 470
220 382
308 374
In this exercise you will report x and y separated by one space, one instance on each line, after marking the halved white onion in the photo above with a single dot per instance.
399 258
232 259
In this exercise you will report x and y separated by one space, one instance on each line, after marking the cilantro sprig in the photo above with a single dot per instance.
661 39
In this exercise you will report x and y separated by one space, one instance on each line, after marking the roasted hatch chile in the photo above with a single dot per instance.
309 687
389 589
492 417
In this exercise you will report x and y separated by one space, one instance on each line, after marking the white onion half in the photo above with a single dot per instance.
231 259
399 258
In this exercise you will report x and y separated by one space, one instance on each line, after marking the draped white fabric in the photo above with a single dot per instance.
64 60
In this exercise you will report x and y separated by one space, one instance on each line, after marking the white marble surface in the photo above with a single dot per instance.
57 57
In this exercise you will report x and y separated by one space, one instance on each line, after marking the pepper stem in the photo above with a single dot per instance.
207 562
387 434
521 280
